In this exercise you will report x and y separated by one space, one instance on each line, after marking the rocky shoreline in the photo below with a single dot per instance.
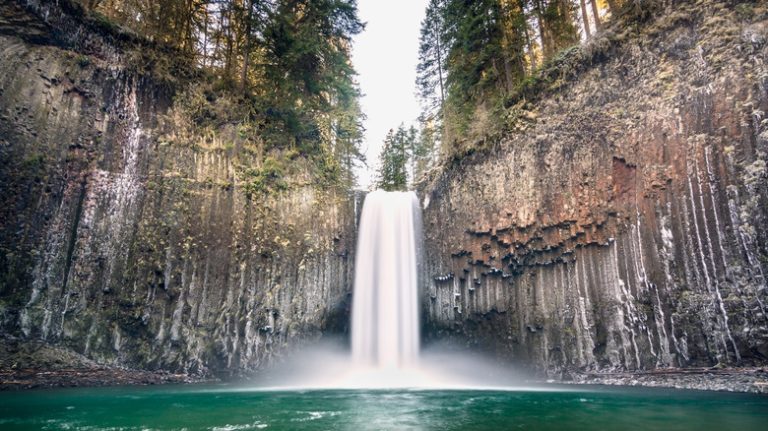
28 365
88 377
748 380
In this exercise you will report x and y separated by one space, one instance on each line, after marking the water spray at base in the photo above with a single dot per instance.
386 351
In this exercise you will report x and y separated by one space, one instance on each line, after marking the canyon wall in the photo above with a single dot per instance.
131 246
622 224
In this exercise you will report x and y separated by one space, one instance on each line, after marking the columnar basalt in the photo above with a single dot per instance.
135 249
621 226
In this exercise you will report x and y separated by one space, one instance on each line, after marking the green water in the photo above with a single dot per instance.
231 408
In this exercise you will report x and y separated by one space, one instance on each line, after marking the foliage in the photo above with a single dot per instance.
266 178
394 159
83 61
283 66
477 56
430 81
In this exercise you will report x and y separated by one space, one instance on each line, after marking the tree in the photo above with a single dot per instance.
307 63
430 72
287 62
254 17
476 54
348 135
585 18
596 16
514 33
556 25
395 158
474 30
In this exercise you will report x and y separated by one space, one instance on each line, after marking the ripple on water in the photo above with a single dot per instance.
314 415
253 426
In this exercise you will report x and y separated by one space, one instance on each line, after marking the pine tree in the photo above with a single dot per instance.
395 159
596 16
432 67
307 63
287 60
513 41
556 25
348 135
585 18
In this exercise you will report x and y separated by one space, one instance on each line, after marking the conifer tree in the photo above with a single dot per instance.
395 159
288 59
432 67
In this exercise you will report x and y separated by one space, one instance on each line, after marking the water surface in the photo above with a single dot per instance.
236 408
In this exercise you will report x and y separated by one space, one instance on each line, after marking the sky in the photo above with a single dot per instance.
385 56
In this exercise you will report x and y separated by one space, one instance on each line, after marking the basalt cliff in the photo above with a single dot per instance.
130 238
621 225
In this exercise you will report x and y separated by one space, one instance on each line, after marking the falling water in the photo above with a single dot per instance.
385 320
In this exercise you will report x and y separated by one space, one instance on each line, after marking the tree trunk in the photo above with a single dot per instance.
596 14
440 67
543 33
585 17
528 41
189 31
205 37
512 42
248 37
230 46
219 34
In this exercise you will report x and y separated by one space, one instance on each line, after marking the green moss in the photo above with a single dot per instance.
103 23
33 163
83 61
269 177
745 11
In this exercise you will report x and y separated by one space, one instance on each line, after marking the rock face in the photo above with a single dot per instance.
138 251
623 225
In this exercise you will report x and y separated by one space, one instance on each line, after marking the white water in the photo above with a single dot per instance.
385 320
385 309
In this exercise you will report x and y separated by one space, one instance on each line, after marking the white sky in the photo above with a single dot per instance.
385 56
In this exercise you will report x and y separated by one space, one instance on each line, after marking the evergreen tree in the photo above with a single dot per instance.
556 25
432 67
307 63
347 138
395 158
289 60
473 27
513 41
596 16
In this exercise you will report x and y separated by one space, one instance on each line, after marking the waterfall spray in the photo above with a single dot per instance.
386 351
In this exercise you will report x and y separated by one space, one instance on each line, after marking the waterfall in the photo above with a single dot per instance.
386 351
385 310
